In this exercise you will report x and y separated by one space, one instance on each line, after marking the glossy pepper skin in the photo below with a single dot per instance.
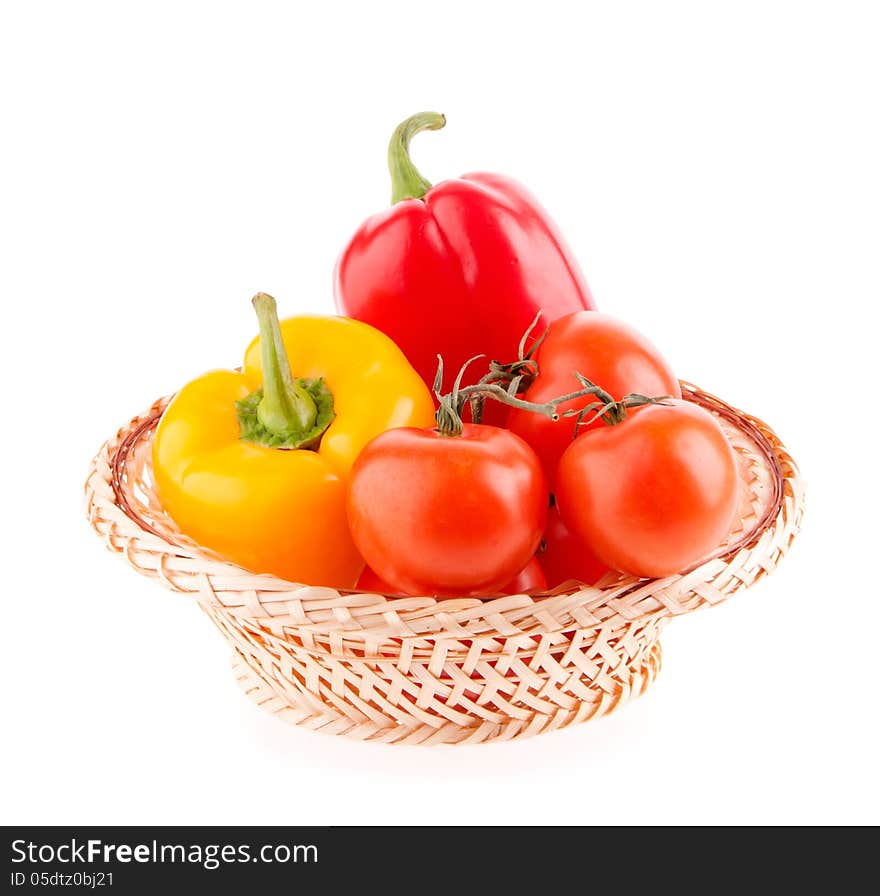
457 269
277 510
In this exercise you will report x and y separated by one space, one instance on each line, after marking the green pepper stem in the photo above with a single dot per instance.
285 405
406 181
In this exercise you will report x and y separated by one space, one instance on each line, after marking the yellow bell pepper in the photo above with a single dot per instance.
254 466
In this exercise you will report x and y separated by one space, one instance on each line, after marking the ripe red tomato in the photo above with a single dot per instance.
446 514
607 352
369 581
530 578
566 557
653 494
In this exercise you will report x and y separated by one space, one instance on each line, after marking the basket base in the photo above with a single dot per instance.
324 718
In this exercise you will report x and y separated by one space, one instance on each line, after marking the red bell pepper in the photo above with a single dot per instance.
458 269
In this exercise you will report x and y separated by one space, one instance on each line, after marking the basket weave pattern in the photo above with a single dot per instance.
419 670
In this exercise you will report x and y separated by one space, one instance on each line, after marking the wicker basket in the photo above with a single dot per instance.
419 670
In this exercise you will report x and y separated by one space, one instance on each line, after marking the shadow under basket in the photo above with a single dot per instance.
420 670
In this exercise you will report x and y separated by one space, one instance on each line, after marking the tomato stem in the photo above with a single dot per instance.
518 375
607 409
448 416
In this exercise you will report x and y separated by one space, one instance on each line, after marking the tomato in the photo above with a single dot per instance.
447 514
607 352
653 494
530 578
370 582
566 557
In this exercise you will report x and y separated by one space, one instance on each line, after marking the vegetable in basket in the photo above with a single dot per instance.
565 557
253 465
530 578
460 268
650 492
458 509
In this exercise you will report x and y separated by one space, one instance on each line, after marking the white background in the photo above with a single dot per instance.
715 168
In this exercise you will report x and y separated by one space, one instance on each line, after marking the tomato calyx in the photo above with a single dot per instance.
607 409
516 375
